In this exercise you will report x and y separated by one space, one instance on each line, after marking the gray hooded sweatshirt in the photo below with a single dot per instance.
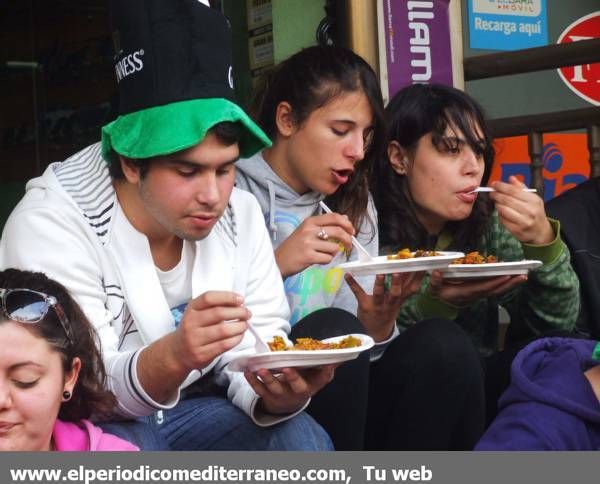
318 286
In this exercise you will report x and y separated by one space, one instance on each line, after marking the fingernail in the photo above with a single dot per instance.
239 299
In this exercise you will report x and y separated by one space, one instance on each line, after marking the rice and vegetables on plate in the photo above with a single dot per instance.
475 258
310 344
406 253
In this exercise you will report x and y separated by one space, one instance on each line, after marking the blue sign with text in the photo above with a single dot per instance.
507 24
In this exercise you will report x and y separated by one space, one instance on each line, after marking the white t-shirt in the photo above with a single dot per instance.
176 283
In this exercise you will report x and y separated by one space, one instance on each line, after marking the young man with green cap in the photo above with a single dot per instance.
168 259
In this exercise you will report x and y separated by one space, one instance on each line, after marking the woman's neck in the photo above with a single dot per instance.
48 446
432 224
276 158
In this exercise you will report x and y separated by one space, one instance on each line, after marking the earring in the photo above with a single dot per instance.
66 396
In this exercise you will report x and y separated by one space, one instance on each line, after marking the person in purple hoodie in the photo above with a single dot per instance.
553 401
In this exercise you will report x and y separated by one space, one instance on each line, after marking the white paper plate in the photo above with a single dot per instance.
493 269
383 265
274 360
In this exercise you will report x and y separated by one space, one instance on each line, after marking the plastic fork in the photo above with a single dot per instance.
363 254
259 344
490 189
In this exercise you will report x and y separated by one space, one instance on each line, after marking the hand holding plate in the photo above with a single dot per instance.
466 292
289 389
378 311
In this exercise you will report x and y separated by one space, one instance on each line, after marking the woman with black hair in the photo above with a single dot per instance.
323 110
438 151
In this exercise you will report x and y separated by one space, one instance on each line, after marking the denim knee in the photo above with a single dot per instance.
140 432
212 423
302 433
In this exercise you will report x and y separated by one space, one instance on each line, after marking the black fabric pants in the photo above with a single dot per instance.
341 406
497 377
425 393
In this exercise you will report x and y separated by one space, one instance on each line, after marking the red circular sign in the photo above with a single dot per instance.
583 80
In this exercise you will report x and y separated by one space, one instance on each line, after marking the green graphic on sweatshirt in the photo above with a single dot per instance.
312 289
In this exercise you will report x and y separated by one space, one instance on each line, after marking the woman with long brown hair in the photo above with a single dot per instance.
323 110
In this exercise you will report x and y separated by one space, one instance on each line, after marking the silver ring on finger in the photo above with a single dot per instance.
323 235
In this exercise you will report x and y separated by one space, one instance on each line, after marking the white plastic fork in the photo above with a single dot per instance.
259 344
363 254
490 189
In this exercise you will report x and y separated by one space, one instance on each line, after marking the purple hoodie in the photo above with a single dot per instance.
550 404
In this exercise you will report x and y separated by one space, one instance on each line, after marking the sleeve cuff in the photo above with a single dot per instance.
123 381
546 253
263 419
430 306
379 348
174 400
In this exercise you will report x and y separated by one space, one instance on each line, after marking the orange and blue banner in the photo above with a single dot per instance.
565 158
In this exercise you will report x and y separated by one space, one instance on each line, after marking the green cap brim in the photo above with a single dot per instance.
166 129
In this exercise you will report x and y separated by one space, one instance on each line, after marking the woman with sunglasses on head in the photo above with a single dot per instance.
323 110
439 150
51 373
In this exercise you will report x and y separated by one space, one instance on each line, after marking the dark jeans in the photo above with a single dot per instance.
425 393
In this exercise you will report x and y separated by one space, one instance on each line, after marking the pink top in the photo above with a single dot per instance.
85 436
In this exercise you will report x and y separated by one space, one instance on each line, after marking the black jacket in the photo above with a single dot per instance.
579 213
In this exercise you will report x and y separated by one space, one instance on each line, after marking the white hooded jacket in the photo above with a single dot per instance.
70 226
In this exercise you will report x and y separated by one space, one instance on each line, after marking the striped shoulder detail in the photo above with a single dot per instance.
85 177
128 327
227 226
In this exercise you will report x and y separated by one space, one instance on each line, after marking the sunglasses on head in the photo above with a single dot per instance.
27 306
